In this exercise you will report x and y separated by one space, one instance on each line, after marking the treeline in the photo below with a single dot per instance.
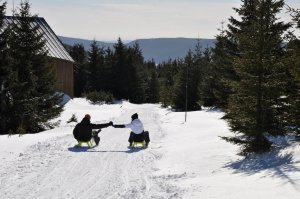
120 72
252 74
27 80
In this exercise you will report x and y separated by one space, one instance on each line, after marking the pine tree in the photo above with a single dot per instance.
33 98
186 85
108 86
96 70
255 105
180 85
153 94
207 82
127 62
152 85
195 77
295 13
5 70
221 70
78 53
120 86
293 88
167 72
201 73
135 68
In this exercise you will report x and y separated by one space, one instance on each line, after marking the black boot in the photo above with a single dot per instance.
97 140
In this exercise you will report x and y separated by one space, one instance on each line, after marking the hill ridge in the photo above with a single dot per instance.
158 49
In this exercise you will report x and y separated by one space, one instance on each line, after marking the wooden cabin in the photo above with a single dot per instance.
58 55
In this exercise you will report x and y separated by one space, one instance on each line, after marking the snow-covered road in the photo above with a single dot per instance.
184 160
55 169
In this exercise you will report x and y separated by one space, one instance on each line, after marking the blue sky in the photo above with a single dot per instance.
107 20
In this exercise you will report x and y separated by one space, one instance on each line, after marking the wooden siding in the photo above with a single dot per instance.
64 75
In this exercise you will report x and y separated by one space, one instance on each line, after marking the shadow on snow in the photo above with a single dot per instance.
276 164
92 150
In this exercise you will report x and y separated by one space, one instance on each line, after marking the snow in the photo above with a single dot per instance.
184 160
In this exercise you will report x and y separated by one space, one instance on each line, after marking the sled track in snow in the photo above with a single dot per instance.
55 169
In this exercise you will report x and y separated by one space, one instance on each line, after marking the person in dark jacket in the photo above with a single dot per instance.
83 131
137 130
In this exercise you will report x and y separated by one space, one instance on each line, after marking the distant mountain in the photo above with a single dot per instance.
160 49
86 43
163 49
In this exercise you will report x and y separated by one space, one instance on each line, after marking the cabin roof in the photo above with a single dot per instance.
53 45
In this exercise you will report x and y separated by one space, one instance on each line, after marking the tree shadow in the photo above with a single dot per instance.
275 164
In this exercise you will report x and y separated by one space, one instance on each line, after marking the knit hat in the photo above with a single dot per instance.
87 116
134 116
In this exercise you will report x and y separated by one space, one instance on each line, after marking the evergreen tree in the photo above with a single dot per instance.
195 76
33 98
5 70
186 85
135 68
254 107
96 72
207 83
108 86
295 13
293 48
180 85
126 67
78 53
293 87
200 73
152 85
153 92
221 70
167 72
120 87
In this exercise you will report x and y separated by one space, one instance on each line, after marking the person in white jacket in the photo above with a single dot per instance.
137 130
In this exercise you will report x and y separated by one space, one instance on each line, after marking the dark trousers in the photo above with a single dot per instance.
139 137
96 137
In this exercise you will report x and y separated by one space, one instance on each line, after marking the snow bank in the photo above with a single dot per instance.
184 160
205 166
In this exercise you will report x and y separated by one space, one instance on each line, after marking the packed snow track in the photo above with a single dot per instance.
54 168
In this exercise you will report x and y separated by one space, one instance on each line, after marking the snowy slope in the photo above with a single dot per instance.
184 160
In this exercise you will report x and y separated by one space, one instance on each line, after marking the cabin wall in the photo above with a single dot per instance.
64 76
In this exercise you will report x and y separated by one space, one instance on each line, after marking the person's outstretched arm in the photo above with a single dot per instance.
119 126
100 126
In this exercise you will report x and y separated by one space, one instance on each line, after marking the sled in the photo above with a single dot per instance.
81 143
92 143
137 144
